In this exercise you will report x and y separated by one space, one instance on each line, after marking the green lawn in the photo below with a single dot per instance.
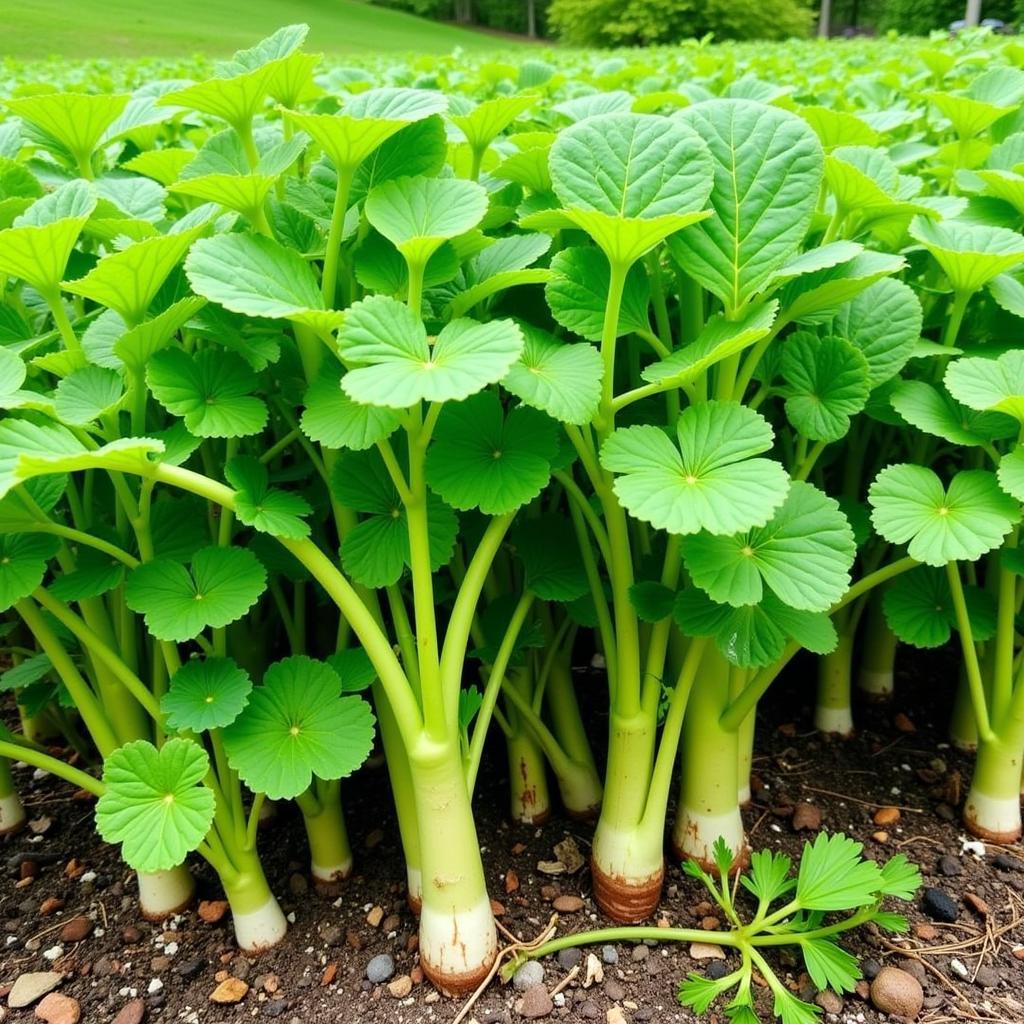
33 29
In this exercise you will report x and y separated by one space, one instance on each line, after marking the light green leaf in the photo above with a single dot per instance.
767 172
355 669
821 291
75 121
206 693
397 366
919 609
263 507
932 410
87 394
24 558
829 966
971 255
334 420
548 548
481 458
128 280
221 585
487 120
562 380
804 555
297 725
135 347
910 506
1011 473
989 385
211 391
827 383
258 277
710 482
834 875
244 193
578 290
154 805
417 215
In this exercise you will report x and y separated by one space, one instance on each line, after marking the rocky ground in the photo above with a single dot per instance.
73 947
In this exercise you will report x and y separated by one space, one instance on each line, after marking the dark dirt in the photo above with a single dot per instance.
318 974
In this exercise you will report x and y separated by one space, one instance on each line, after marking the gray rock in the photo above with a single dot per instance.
569 958
829 1001
613 990
949 866
1004 862
589 1010
609 954
640 953
380 968
716 969
530 974
536 1003
987 977
939 906
30 987
870 968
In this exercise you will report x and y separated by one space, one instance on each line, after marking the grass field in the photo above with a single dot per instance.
35 29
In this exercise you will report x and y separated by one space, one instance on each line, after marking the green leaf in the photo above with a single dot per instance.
562 380
88 394
989 385
769 876
481 458
834 875
821 291
235 98
748 637
652 601
75 121
128 280
900 878
258 277
719 338
334 420
829 966
884 323
698 992
297 725
263 507
94 575
417 215
549 551
376 551
910 506
210 391
971 255
367 121
221 585
396 366
919 609
355 669
710 482
244 193
37 248
767 173
827 383
631 166
578 289
24 558
154 805
1011 473
135 347
487 120
27 673
932 410
206 693
804 555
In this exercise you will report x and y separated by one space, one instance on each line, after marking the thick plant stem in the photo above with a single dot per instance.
529 799
458 940
708 805
963 728
329 848
832 713
580 790
165 893
878 654
397 759
12 814
257 917
627 860
992 809
745 745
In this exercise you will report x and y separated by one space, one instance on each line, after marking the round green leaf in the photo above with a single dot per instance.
827 382
549 551
910 506
297 725
709 482
221 585
87 394
263 507
23 561
995 385
971 255
154 805
932 410
480 458
334 420
396 366
206 693
803 555
1011 473
919 608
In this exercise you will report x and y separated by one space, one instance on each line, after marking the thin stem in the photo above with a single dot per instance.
332 253
53 765
970 653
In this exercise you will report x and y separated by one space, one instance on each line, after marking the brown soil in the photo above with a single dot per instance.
318 975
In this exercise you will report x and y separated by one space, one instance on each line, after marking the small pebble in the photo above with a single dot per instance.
569 958
536 1003
613 990
949 866
895 992
380 968
939 906
610 955
56 1008
806 817
529 974
987 977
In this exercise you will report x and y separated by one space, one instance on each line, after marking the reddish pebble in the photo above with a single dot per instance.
58 1009
330 973
511 881
977 904
904 724
211 911
29 869
886 817
131 1013
50 906
568 904
77 929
